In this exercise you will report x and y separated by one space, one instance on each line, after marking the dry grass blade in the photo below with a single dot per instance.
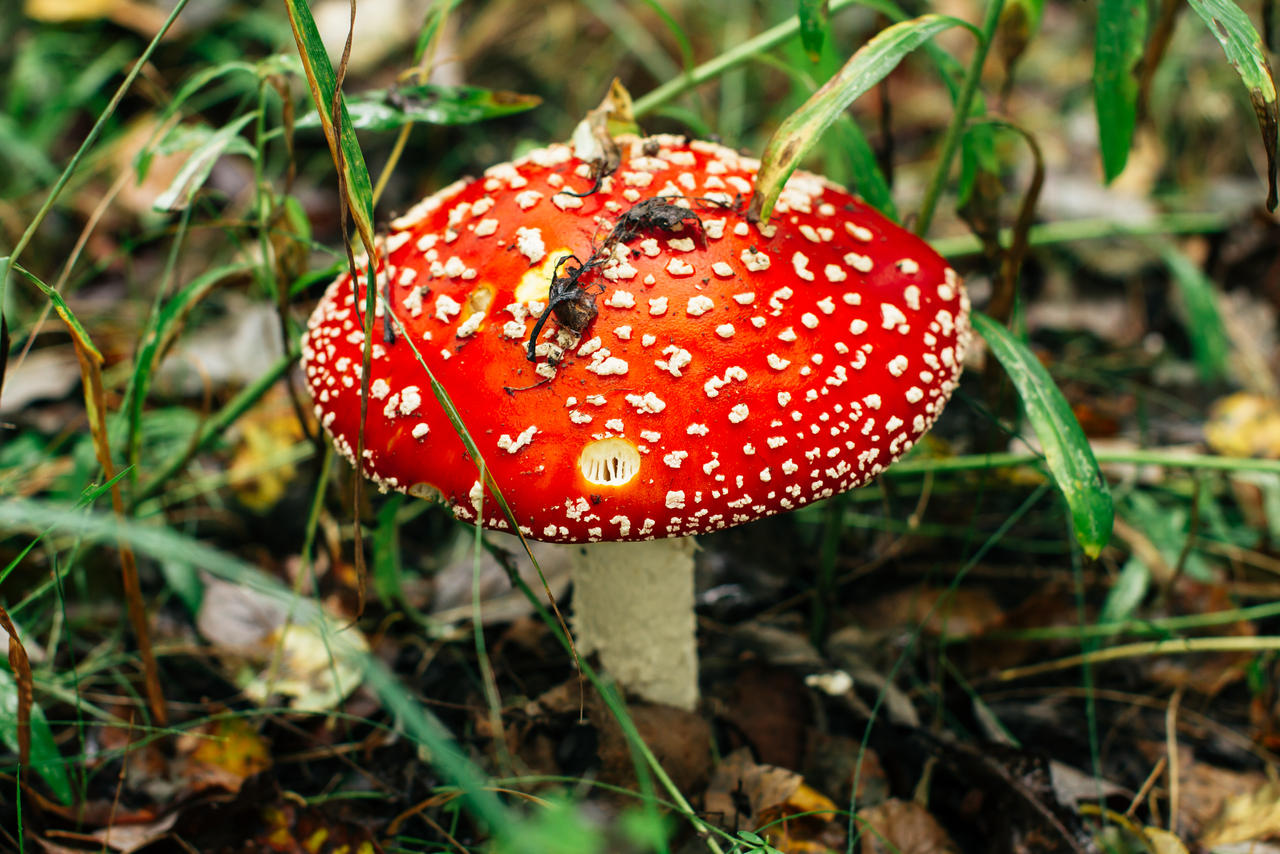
21 666
95 401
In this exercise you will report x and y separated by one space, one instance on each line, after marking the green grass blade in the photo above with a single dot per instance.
343 145
1066 450
1240 41
1122 28
868 178
210 145
45 758
813 15
1209 341
867 67
677 32
77 330
390 109
158 339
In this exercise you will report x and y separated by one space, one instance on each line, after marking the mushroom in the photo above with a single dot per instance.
694 370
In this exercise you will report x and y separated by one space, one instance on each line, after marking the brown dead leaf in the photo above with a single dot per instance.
741 789
680 740
902 827
795 818
770 707
956 613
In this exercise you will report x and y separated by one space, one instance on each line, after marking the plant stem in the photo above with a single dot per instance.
1147 648
1171 459
1070 231
770 38
960 118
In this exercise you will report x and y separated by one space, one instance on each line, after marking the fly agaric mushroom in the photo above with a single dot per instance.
695 371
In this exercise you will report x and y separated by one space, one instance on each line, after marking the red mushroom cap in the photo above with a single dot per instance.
732 371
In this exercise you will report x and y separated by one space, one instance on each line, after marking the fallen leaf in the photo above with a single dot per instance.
1246 817
902 827
1244 425
270 656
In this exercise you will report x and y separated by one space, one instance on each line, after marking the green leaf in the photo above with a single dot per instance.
1066 450
1122 27
45 758
1126 593
1209 342
1240 41
193 174
389 109
813 16
800 131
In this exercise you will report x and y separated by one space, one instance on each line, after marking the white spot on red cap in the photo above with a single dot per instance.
678 268
529 242
699 305
511 446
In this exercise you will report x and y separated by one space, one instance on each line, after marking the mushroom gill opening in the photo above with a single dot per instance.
609 462
478 300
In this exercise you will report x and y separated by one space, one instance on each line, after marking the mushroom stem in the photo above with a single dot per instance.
633 604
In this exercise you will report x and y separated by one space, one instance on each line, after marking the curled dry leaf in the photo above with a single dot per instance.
316 667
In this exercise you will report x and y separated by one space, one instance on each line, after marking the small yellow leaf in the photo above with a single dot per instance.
1245 818
62 11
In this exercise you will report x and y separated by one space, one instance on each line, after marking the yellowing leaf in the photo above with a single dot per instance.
1244 818
62 11
1244 425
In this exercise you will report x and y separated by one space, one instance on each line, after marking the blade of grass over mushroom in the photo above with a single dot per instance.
1122 29
867 67
322 82
23 727
1066 450
868 178
1209 342
441 395
390 109
1243 47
